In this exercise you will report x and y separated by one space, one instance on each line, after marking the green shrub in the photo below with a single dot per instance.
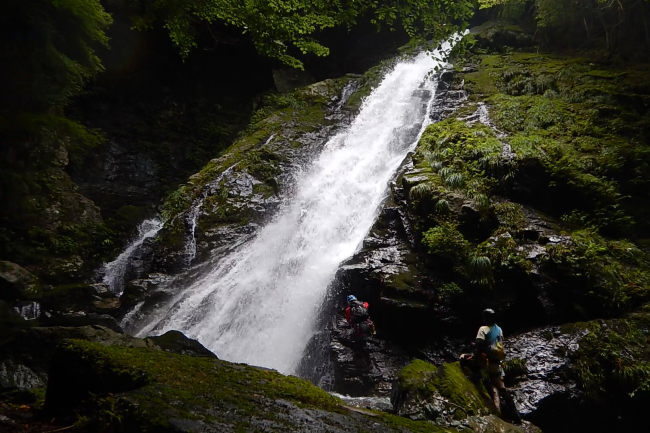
449 291
613 360
446 242
603 277
510 215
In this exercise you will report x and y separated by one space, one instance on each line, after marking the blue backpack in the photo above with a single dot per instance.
494 339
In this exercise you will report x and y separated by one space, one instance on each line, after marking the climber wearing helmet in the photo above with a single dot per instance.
489 352
357 316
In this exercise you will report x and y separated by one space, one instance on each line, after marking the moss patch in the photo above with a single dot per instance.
587 126
422 380
565 142
168 387
612 364
598 276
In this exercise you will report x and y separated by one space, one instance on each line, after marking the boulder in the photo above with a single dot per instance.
143 389
26 353
177 342
17 282
95 298
76 373
585 376
542 358
442 393
445 395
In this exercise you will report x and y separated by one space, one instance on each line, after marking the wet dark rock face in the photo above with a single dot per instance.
545 384
119 175
363 366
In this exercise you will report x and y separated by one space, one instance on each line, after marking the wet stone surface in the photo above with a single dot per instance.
546 354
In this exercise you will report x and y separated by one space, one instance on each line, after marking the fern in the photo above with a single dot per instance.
445 172
481 201
480 270
442 206
454 180
421 191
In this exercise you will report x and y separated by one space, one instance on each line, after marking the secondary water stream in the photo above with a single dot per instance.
259 304
113 273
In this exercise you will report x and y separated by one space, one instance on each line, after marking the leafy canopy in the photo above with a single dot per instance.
284 29
47 49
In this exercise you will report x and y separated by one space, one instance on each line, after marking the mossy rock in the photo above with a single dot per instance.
140 389
596 276
242 185
177 342
543 179
497 36
612 363
17 282
47 225
584 124
426 391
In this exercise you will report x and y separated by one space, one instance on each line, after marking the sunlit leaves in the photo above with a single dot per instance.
286 29
48 49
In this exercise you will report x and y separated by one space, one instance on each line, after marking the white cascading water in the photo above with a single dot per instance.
259 304
113 272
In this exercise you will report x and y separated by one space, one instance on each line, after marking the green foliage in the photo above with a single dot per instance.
510 215
48 50
454 180
569 117
442 206
479 270
514 368
446 242
421 380
449 291
504 256
613 360
618 26
423 190
285 29
458 152
603 277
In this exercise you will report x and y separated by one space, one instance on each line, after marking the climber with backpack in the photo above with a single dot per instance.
489 352
357 315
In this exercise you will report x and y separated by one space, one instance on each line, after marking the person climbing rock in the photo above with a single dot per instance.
489 352
357 315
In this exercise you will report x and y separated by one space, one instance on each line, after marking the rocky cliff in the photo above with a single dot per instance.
522 197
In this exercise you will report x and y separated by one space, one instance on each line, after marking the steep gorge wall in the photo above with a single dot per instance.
525 199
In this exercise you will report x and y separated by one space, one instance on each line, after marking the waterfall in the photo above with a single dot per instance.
260 303
113 273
